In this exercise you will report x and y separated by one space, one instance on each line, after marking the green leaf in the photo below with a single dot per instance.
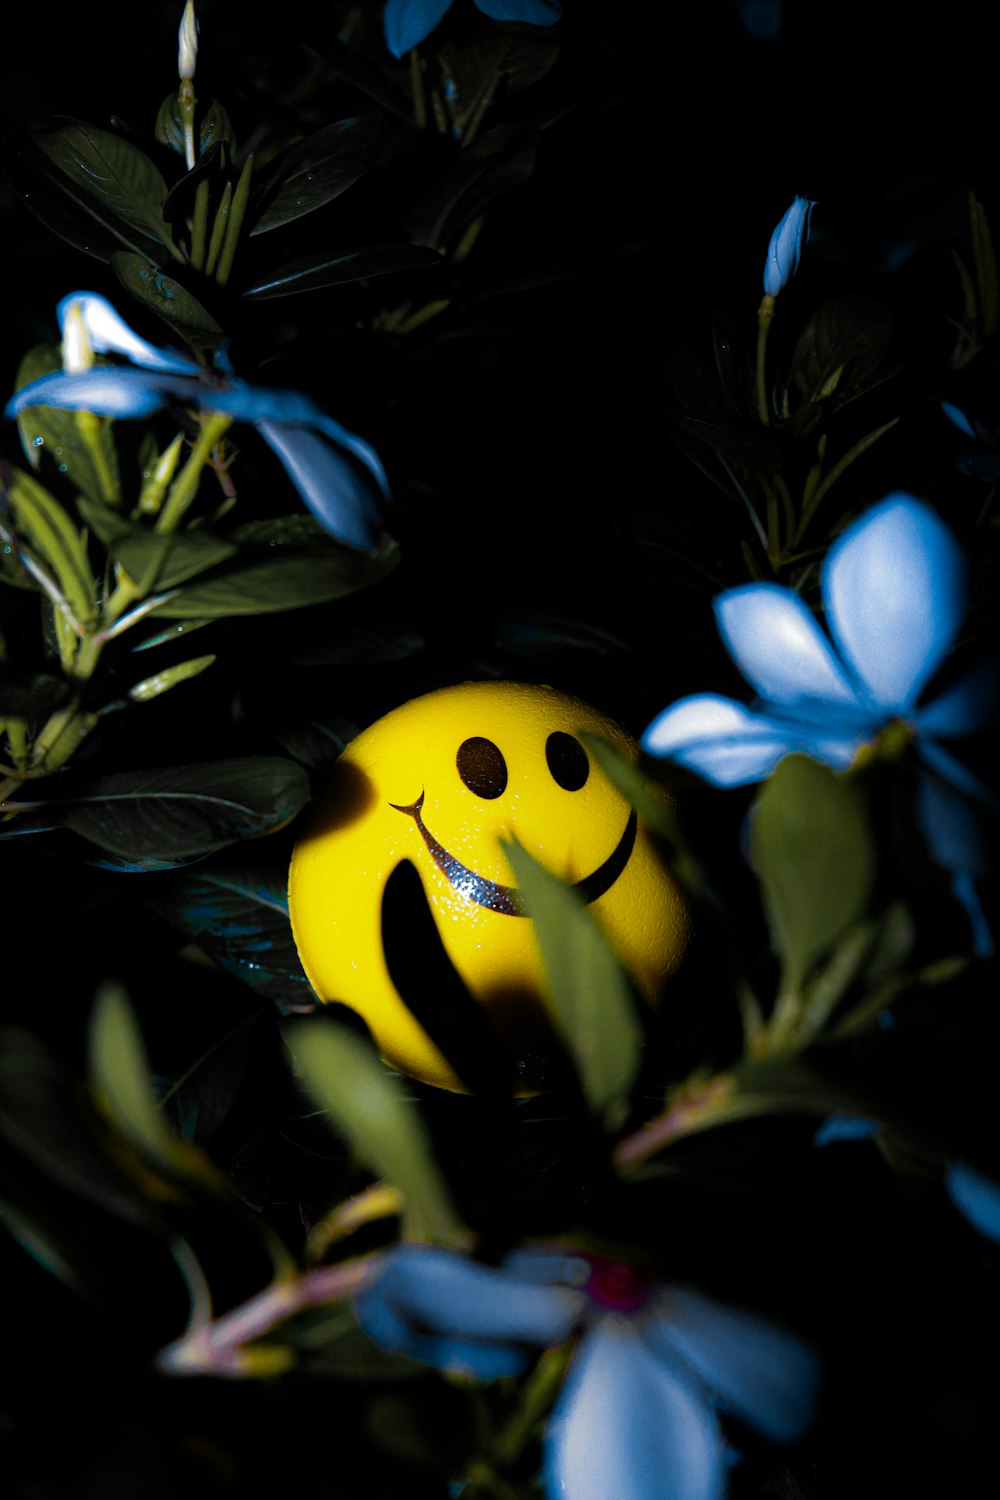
814 856
591 996
282 582
42 522
316 170
61 205
120 1072
183 811
155 559
166 297
59 431
840 349
313 271
501 159
112 170
370 1106
236 908
215 127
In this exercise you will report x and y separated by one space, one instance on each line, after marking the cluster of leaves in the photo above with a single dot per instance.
208 1160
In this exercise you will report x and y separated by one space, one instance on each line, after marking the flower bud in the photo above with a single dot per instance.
77 350
187 43
786 246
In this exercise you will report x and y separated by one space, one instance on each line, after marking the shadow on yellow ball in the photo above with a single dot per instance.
433 786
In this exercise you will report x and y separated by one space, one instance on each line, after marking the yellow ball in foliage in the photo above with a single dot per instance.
426 794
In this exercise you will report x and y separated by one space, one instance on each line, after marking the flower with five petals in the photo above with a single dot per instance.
894 595
637 1413
337 474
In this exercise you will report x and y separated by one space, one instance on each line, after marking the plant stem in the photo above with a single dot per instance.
765 313
185 487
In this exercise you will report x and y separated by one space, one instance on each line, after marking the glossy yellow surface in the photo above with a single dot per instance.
370 817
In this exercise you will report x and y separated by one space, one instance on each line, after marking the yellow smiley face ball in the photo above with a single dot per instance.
436 784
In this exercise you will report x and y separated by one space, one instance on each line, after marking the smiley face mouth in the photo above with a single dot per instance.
507 899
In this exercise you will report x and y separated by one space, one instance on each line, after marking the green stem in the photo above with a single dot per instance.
187 102
765 313
91 429
185 486
199 226
537 1395
839 468
417 87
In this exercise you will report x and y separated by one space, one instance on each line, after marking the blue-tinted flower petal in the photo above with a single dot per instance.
337 491
105 390
845 1128
957 840
407 22
535 12
444 1293
730 745
630 1426
109 333
764 1375
951 770
970 704
260 404
786 245
775 641
894 586
976 1197
959 419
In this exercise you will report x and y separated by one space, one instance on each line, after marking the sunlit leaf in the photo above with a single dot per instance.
111 169
44 524
282 582
591 996
369 1105
814 856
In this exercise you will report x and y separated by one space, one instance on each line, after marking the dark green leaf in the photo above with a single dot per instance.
214 127
182 312
501 159
112 170
236 909
591 996
370 1106
120 1072
154 559
59 431
29 695
76 216
316 170
181 811
530 632
471 74
814 856
313 271
840 349
282 582
362 645
737 443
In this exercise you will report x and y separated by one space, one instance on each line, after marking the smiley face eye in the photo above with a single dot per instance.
567 761
482 767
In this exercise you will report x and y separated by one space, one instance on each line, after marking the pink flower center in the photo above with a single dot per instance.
617 1286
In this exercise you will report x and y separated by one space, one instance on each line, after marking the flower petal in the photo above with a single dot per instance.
407 22
336 490
730 745
775 641
958 842
628 1424
535 12
767 1377
894 586
105 390
785 246
845 1128
109 333
437 1306
970 704
976 1196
